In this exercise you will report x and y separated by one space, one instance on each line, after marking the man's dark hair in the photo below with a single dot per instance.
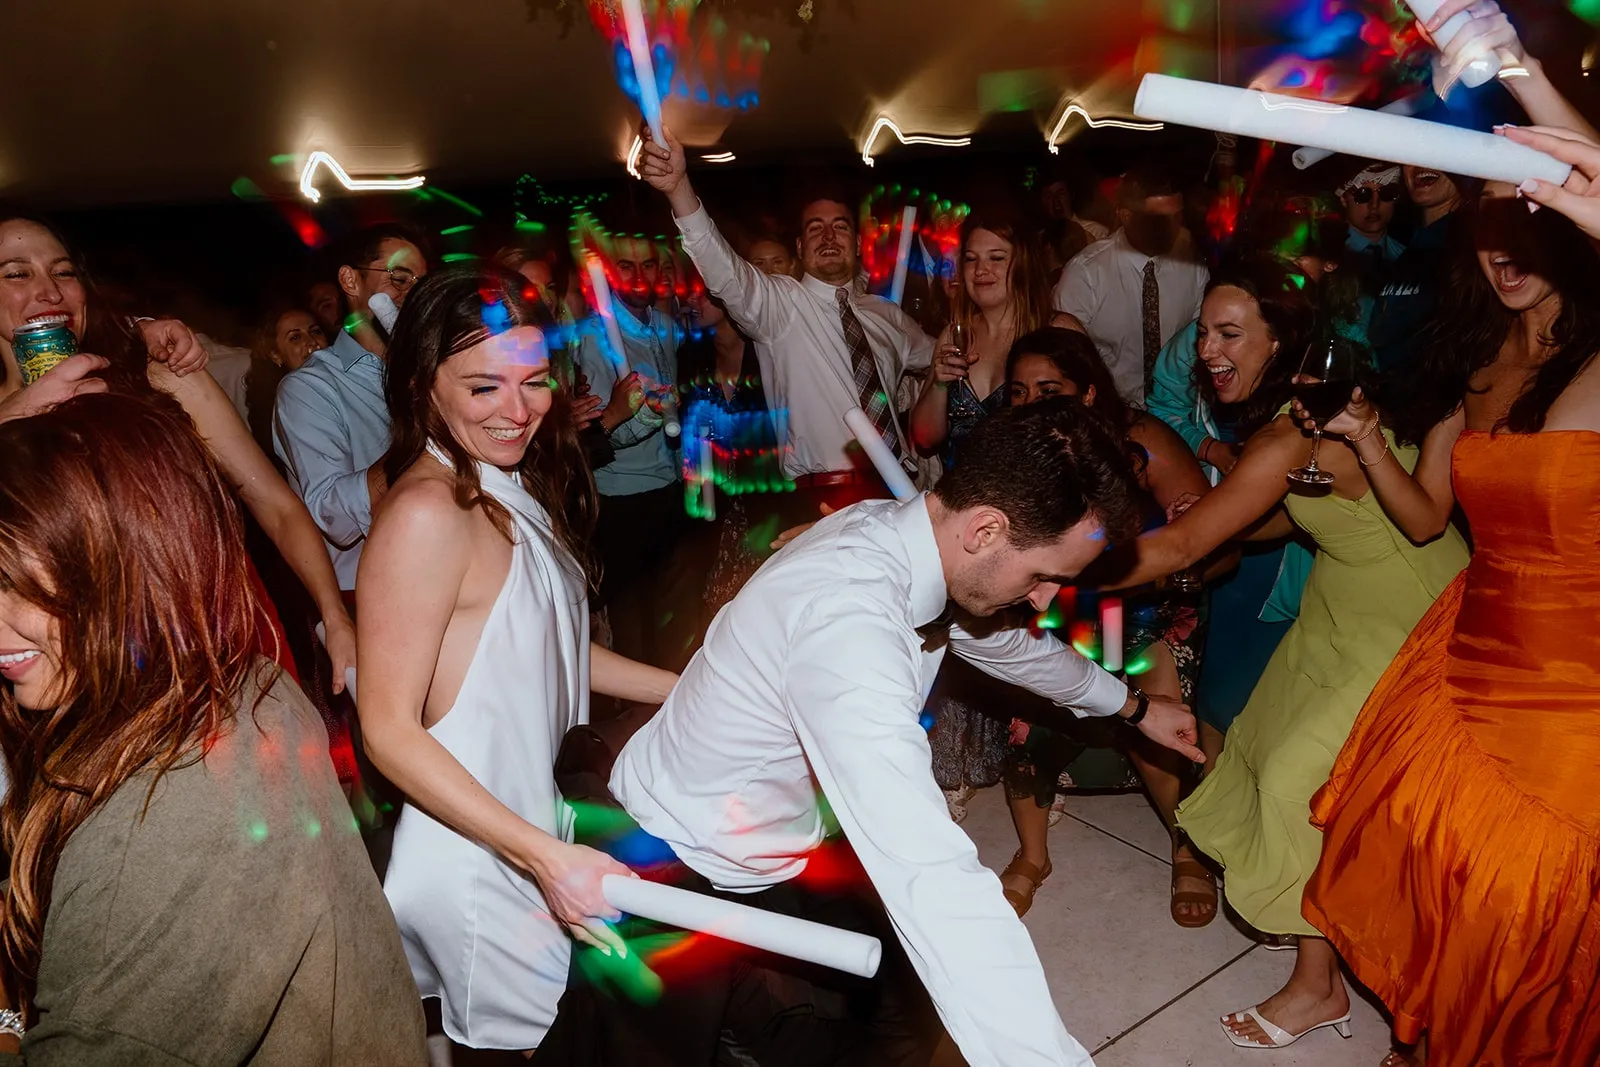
1143 182
823 186
361 247
1047 466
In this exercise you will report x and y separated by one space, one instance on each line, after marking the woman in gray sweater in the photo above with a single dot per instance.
186 881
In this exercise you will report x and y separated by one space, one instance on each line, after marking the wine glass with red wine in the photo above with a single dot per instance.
1323 386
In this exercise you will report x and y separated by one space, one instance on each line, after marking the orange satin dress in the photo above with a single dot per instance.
1460 871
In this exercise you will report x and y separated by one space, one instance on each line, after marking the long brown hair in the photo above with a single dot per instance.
115 521
448 313
1027 287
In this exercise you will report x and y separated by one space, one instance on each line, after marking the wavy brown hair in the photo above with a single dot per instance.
1028 290
445 314
114 521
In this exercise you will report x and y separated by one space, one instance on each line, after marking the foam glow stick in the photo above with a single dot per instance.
1406 105
608 315
843 950
349 672
643 68
1480 69
1337 128
708 480
1111 633
894 476
902 261
385 309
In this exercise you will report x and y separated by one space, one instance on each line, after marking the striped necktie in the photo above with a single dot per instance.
874 399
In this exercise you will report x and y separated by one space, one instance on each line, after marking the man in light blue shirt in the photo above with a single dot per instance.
642 517
1369 199
331 427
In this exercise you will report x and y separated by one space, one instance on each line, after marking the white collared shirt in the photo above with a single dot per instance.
1104 287
799 339
814 677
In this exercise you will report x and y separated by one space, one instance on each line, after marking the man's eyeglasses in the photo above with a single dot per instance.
402 278
1371 194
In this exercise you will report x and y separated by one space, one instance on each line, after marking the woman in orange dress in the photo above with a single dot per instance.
1460 872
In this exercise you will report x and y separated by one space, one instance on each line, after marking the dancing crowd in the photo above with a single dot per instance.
340 672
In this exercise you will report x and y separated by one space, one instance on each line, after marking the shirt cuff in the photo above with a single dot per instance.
697 224
1106 696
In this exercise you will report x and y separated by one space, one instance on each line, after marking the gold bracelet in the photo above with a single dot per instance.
1377 461
1366 433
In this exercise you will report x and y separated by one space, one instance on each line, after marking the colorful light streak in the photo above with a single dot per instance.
1052 139
719 157
886 123
321 160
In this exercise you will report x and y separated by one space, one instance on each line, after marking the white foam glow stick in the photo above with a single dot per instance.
1480 69
1353 130
1111 633
607 312
349 672
894 476
387 311
643 68
902 260
1406 105
843 950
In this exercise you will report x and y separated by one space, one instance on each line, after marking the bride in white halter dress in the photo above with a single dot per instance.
475 660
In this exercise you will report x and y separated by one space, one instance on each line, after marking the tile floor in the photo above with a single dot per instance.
1133 987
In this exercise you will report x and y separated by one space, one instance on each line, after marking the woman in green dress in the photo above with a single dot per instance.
1368 586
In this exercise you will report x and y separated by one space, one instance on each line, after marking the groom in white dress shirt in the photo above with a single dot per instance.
812 682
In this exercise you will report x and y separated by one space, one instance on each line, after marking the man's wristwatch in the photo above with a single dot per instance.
11 1022
1143 706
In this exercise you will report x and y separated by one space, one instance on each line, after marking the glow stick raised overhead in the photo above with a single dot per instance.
1480 69
894 475
843 950
607 312
1337 128
644 69
902 262
1406 105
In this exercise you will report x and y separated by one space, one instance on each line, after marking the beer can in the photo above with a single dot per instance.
39 346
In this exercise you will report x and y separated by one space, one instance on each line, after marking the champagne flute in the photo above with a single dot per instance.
1323 386
961 339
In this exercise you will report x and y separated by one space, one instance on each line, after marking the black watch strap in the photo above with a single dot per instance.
1142 707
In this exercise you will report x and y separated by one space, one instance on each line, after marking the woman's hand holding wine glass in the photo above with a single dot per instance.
1322 390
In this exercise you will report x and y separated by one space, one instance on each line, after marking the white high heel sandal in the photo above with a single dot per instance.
1277 1036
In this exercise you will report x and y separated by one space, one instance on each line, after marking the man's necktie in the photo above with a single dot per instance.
1150 305
937 632
869 386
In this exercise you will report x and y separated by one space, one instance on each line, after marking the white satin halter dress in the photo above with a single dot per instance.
476 930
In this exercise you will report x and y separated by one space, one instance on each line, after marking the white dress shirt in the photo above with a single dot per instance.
799 339
1104 287
814 677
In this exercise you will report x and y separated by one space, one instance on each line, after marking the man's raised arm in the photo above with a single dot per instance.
757 302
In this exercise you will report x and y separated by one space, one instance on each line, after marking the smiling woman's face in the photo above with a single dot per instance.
1510 253
38 280
1235 343
30 652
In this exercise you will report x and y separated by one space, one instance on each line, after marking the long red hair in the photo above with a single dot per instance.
115 521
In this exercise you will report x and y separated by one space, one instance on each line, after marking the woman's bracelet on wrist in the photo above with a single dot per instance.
1375 462
1365 433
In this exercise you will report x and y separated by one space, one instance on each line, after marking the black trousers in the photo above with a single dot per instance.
709 1003
649 590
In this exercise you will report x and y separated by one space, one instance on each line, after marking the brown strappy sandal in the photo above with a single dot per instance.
1206 902
1034 876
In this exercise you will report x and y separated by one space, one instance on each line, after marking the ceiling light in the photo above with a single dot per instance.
355 185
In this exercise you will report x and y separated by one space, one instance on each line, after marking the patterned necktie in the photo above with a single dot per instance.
874 399
1150 304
